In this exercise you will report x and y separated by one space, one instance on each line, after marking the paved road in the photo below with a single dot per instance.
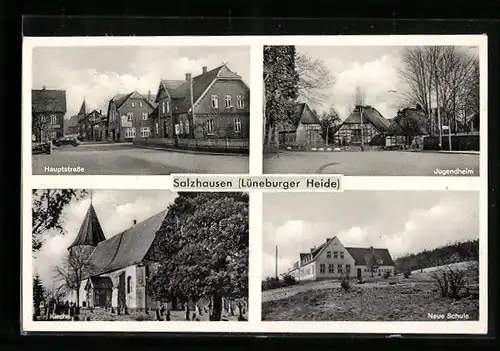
370 163
128 160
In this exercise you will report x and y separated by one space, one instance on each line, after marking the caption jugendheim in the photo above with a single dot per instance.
242 183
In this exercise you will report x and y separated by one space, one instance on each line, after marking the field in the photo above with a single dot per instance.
377 299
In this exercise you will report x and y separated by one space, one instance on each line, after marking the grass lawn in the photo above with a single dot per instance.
378 299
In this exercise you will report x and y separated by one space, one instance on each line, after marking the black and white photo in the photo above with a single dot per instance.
371 256
140 110
139 255
372 110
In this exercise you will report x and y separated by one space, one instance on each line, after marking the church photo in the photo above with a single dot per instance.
139 255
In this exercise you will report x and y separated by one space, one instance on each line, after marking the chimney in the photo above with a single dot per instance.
188 76
312 249
204 69
328 239
135 221
100 112
371 248
149 95
44 87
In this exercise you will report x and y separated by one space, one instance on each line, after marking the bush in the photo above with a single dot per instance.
289 279
345 283
450 281
407 274
387 275
272 283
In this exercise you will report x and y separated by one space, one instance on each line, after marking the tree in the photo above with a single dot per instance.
38 293
281 88
330 122
202 250
41 112
46 211
74 269
371 261
314 79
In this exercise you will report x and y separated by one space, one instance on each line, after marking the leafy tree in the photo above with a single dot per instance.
38 293
330 123
281 88
202 250
371 261
46 211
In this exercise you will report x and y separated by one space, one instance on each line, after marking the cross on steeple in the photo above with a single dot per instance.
91 196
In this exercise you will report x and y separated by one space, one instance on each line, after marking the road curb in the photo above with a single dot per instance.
191 151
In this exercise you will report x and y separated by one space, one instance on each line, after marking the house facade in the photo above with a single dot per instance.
333 260
361 127
128 116
72 126
48 108
304 130
212 105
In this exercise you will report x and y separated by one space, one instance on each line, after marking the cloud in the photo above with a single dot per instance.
115 210
96 74
402 232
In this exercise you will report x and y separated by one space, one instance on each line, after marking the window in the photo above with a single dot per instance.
227 101
335 254
53 119
156 129
348 268
329 255
140 103
129 284
215 101
237 125
187 127
181 127
132 103
53 134
130 133
210 126
130 116
144 116
339 268
239 101
168 106
145 131
341 255
331 268
322 268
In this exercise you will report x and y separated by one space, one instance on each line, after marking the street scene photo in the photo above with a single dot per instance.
140 110
371 256
372 110
135 255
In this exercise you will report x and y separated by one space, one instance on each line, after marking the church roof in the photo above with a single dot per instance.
83 109
90 232
126 248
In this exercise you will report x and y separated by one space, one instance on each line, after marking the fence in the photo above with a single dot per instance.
208 145
460 142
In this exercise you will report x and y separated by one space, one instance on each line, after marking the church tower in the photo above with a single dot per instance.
83 109
89 235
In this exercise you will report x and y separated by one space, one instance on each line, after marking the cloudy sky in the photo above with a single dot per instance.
402 221
372 68
98 73
115 210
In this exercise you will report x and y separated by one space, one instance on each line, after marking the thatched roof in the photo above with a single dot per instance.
370 115
303 114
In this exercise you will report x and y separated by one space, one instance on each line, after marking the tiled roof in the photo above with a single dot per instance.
361 254
370 115
90 232
45 100
101 282
127 248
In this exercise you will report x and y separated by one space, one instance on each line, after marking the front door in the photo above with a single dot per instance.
359 273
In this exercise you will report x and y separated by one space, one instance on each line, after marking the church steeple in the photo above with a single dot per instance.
90 233
83 109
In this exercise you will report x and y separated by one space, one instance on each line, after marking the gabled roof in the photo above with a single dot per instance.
48 101
360 255
120 99
370 115
171 86
302 114
90 232
126 248
100 282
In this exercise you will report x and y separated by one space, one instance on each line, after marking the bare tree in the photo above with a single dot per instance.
314 79
74 268
41 117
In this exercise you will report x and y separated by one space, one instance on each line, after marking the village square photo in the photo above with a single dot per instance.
135 255
139 110
372 110
371 256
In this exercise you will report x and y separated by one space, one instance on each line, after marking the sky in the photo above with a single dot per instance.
98 73
116 210
402 221
373 68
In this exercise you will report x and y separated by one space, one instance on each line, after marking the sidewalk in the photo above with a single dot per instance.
446 152
196 152
104 143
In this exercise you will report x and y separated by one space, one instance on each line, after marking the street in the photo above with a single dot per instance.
372 163
119 159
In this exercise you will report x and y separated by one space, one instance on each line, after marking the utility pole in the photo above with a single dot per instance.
327 129
438 110
276 265
192 98
361 115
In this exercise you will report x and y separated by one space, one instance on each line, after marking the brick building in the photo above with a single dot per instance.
48 108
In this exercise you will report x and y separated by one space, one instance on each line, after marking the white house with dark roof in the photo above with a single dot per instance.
332 260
